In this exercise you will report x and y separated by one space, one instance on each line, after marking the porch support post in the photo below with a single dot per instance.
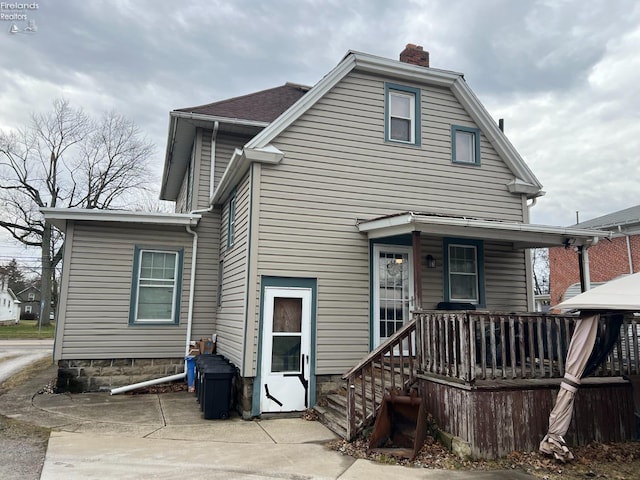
417 270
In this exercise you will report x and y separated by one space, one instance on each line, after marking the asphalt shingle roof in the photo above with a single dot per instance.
263 106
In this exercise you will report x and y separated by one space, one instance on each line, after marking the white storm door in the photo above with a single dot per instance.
286 345
392 290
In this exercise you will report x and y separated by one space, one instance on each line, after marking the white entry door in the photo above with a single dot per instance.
392 289
286 345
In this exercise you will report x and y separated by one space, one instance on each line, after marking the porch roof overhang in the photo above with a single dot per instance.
58 217
522 235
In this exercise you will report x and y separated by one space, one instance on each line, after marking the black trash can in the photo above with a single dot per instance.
203 364
217 381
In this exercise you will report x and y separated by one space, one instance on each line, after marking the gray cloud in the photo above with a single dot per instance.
564 74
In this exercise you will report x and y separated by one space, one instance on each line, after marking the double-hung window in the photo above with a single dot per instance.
402 114
156 286
464 264
465 145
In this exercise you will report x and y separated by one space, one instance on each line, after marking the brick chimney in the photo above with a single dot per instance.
415 55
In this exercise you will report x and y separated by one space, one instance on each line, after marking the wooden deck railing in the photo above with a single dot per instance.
469 346
390 367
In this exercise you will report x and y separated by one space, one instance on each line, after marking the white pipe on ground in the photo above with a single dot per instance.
148 383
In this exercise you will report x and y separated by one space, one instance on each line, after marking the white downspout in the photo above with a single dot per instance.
212 178
178 376
629 256
192 282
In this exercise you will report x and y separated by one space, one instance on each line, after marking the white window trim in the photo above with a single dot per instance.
176 286
413 94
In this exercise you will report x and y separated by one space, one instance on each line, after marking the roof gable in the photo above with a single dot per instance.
524 182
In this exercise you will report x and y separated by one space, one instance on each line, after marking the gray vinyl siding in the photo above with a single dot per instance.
203 168
206 285
504 276
231 314
337 169
98 291
225 147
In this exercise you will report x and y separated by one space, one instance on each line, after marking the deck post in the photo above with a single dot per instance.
417 270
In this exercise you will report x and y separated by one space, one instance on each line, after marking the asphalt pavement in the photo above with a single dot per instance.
164 436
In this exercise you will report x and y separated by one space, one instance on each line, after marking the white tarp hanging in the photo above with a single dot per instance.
620 294
580 348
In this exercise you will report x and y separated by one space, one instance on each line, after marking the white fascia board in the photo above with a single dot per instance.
202 117
527 235
307 101
59 216
238 166
497 138
405 71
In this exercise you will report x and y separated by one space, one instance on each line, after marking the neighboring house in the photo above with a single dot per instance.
30 298
611 257
9 303
309 223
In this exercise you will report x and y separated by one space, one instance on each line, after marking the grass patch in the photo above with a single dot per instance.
26 329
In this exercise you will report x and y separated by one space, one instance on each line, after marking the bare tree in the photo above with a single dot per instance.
64 158
540 269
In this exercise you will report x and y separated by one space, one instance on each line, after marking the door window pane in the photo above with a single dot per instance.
287 314
285 354
393 274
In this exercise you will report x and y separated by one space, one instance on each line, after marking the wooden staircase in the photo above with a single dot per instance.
389 368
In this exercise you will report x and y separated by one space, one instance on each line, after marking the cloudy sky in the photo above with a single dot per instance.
564 74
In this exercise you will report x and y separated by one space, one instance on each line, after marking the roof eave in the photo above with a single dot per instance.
182 127
58 217
522 235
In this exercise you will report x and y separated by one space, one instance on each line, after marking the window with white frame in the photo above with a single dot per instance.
402 122
32 297
465 145
27 309
464 271
155 291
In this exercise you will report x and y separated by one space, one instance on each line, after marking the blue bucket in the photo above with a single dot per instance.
191 372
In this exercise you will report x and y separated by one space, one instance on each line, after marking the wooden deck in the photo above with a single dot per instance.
491 379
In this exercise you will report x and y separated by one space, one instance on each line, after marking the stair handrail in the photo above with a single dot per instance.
358 370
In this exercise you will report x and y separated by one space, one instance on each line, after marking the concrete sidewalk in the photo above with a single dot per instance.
163 436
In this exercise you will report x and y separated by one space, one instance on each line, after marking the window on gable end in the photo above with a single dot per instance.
231 225
402 114
465 145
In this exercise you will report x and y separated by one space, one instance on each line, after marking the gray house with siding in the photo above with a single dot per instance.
309 223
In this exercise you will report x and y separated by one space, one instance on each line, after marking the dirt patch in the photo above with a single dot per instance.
619 461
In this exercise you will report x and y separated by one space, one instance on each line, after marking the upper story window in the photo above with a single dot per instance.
156 286
465 145
402 114
231 226
32 297
464 271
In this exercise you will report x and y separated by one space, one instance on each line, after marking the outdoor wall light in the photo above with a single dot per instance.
431 261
